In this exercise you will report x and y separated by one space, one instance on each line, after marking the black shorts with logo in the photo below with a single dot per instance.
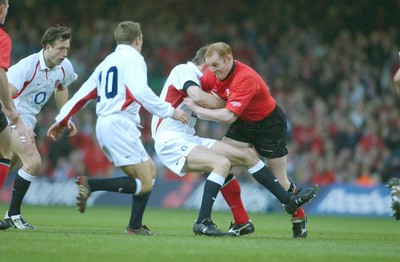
268 135
3 120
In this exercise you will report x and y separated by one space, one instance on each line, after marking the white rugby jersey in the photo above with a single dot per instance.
36 83
172 92
120 86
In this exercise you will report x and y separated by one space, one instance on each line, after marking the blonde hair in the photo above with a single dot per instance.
221 48
126 32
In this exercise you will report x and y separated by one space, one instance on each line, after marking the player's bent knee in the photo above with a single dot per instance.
222 165
147 186
249 156
32 165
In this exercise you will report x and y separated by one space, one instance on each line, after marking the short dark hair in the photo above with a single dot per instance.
54 33
200 56
2 2
126 32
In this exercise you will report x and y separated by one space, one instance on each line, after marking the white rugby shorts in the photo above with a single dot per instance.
119 138
173 148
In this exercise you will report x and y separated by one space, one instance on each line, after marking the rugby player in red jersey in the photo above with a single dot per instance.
256 121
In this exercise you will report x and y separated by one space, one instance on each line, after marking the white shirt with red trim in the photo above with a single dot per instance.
36 83
172 92
120 85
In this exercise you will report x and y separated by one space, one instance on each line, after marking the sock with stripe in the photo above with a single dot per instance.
211 188
264 176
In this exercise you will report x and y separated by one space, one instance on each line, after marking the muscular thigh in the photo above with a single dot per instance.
5 144
27 153
144 171
173 149
238 153
3 120
202 159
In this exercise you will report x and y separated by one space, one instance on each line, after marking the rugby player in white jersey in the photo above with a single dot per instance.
182 151
32 82
119 84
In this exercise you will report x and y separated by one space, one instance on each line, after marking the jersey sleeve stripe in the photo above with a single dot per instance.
130 98
78 106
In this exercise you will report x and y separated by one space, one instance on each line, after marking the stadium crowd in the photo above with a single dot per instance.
330 71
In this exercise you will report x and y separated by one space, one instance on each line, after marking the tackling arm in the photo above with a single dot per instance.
221 115
205 99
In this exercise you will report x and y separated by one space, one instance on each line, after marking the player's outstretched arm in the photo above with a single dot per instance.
221 115
205 99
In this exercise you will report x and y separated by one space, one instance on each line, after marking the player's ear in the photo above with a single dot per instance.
229 58
137 42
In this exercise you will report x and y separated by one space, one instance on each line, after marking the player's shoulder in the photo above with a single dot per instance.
244 70
30 60
181 68
26 64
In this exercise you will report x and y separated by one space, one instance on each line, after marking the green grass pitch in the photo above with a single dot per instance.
63 234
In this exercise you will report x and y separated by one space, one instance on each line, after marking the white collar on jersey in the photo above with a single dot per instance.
127 47
42 63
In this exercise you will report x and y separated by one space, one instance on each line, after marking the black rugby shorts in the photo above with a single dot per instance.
269 136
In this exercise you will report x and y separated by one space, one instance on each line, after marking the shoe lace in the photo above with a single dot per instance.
23 221
84 191
209 223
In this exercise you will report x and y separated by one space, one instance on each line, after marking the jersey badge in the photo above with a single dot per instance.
235 104
57 83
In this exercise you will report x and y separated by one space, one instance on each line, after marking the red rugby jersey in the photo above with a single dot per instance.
246 93
5 49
